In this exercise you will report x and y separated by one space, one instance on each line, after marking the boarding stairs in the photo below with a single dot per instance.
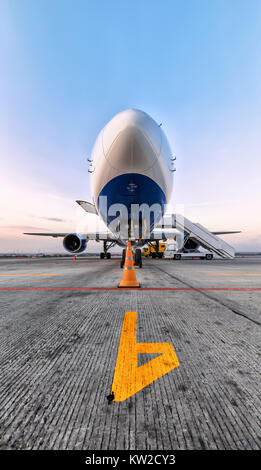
203 236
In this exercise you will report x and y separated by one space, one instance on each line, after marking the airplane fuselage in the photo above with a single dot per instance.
132 166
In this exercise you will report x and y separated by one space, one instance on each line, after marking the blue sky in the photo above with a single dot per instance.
68 66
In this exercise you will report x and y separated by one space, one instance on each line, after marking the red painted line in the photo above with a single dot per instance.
131 289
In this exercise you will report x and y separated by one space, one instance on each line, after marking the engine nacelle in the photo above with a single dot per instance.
74 243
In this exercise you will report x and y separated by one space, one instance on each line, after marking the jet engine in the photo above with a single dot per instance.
74 243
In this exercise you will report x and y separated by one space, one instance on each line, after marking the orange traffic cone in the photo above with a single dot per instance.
129 270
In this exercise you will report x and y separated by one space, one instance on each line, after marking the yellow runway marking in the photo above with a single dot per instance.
128 377
29 275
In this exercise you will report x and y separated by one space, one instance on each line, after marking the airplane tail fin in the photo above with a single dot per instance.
88 207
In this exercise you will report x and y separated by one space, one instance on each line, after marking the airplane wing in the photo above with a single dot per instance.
109 236
226 233
55 235
98 236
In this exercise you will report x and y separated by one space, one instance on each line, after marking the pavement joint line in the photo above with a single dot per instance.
237 274
135 288
20 275
202 291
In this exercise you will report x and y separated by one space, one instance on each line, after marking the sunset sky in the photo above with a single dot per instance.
67 67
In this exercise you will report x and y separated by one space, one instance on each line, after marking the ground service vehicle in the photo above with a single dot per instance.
171 253
153 251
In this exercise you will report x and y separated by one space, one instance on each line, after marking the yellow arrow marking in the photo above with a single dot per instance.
128 377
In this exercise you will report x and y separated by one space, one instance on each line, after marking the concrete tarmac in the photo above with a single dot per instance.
58 352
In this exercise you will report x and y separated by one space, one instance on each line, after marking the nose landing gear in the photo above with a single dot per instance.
137 258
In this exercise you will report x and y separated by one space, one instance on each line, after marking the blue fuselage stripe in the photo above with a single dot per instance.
132 188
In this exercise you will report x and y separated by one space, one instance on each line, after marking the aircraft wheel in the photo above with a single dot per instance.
108 255
138 258
102 255
123 258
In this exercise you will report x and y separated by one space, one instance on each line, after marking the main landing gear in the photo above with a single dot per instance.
137 258
105 253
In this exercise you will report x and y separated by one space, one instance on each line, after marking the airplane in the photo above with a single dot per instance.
132 168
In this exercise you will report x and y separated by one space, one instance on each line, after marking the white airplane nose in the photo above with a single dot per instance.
131 153
131 141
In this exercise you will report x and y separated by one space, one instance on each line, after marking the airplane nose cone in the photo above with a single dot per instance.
131 141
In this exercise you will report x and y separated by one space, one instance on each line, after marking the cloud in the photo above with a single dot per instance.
53 219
